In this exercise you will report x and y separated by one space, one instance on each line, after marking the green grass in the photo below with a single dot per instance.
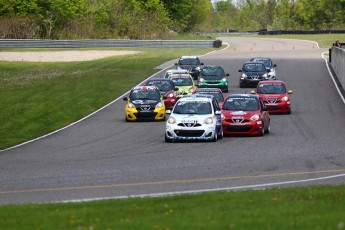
37 98
324 40
290 208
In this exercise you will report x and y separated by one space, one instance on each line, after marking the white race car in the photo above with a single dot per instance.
194 117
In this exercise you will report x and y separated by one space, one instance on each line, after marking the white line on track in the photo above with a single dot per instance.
330 73
206 190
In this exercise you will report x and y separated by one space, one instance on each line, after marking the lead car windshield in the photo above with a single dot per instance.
241 104
189 61
193 107
145 95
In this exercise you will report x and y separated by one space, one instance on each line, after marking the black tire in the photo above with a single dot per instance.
268 130
167 140
221 134
215 137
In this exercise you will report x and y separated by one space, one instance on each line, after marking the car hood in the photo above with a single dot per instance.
254 73
190 118
231 114
272 96
184 89
139 103
188 67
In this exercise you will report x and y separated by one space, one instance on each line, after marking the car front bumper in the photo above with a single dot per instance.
245 128
132 114
205 132
220 85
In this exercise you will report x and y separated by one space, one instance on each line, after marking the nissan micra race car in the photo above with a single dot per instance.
275 95
184 83
144 103
245 114
194 117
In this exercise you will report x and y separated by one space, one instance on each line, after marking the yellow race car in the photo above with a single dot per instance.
144 103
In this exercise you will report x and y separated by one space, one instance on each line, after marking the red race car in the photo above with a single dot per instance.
245 114
216 92
275 95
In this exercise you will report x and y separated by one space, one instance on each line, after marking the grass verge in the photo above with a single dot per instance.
317 207
38 98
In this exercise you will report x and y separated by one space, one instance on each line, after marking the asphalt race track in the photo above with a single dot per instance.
104 157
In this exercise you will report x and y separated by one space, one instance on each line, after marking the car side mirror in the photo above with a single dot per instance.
290 91
227 74
274 65
201 63
176 63
175 89
168 111
125 99
240 70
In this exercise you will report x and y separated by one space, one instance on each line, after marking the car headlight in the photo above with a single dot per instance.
244 76
265 75
191 90
285 98
202 80
255 117
224 79
171 120
159 105
130 105
209 120
170 95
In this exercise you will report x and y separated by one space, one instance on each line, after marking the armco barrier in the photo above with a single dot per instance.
338 63
29 43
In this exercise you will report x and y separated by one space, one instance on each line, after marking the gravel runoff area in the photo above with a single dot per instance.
61 56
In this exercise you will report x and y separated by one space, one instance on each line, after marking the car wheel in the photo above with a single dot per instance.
268 130
221 134
215 137
260 134
167 139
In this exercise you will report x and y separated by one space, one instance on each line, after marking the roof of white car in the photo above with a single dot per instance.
196 97
188 57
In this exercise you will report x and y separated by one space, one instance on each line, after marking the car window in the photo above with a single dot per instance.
193 107
161 85
271 89
241 104
212 73
266 62
253 67
145 95
183 81
189 61
217 95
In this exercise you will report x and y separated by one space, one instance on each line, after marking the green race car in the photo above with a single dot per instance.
214 76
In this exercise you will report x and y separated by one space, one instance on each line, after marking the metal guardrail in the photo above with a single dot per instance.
29 43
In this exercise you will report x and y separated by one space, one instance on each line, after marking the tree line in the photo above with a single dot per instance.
159 19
